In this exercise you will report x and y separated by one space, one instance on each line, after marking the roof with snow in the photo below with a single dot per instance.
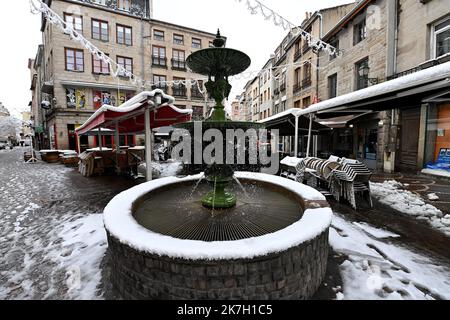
409 90
130 115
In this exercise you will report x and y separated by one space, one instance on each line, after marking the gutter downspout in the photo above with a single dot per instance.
318 53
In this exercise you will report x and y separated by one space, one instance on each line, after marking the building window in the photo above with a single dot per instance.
178 39
159 56
124 35
359 31
99 66
306 82
306 102
124 5
160 82
332 86
100 30
297 80
196 43
158 35
178 60
74 21
179 89
74 60
126 63
297 104
335 44
362 80
441 38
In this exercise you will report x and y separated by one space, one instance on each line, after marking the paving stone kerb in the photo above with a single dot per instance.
292 274
144 268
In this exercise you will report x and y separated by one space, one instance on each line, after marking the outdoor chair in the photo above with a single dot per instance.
351 179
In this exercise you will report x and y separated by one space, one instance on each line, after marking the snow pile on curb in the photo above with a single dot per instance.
161 169
377 269
391 193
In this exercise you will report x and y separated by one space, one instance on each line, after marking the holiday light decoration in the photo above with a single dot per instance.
256 7
39 7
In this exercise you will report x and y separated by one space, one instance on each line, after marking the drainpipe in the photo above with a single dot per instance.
296 136
318 62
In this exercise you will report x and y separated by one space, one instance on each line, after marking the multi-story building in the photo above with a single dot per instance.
380 41
170 45
265 91
3 111
361 37
423 41
75 83
235 109
254 94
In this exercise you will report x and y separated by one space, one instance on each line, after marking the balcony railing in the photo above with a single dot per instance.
178 64
162 87
297 87
306 83
159 62
179 92
196 94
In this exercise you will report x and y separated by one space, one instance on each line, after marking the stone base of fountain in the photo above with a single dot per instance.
287 264
295 273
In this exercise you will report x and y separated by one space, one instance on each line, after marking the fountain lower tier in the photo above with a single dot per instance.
275 250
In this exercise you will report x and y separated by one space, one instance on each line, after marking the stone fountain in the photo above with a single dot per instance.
239 235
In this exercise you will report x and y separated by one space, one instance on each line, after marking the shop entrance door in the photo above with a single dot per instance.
409 139
72 137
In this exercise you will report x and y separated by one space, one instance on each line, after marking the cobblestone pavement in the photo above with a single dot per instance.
37 204
52 242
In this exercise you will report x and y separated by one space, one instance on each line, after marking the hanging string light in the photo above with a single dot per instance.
118 71
278 20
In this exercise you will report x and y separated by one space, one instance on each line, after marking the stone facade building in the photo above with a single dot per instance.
3 111
75 83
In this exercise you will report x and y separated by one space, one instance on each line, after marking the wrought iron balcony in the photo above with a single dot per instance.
178 64
159 62
162 87
306 83
196 94
179 92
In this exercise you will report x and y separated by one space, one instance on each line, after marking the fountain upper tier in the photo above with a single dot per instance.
218 60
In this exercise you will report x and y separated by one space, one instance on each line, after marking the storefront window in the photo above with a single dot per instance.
437 147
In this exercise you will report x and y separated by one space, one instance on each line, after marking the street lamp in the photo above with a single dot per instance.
364 73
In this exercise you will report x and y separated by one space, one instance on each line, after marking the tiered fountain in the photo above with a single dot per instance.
194 238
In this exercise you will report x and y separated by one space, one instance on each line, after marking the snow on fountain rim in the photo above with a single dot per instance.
120 223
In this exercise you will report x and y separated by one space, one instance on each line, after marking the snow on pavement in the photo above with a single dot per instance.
379 268
391 193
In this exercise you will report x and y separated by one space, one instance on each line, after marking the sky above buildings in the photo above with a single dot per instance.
20 35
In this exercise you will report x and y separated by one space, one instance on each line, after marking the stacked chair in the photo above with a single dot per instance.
343 177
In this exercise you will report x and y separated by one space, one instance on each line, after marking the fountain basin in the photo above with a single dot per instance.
287 264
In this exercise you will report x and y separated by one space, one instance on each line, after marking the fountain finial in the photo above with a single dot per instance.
219 41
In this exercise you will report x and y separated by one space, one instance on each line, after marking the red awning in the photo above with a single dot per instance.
130 116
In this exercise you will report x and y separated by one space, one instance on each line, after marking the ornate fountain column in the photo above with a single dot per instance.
218 63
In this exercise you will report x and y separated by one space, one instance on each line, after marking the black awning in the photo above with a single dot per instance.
286 125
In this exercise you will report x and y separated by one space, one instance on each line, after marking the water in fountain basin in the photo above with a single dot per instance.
241 186
196 185
171 211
